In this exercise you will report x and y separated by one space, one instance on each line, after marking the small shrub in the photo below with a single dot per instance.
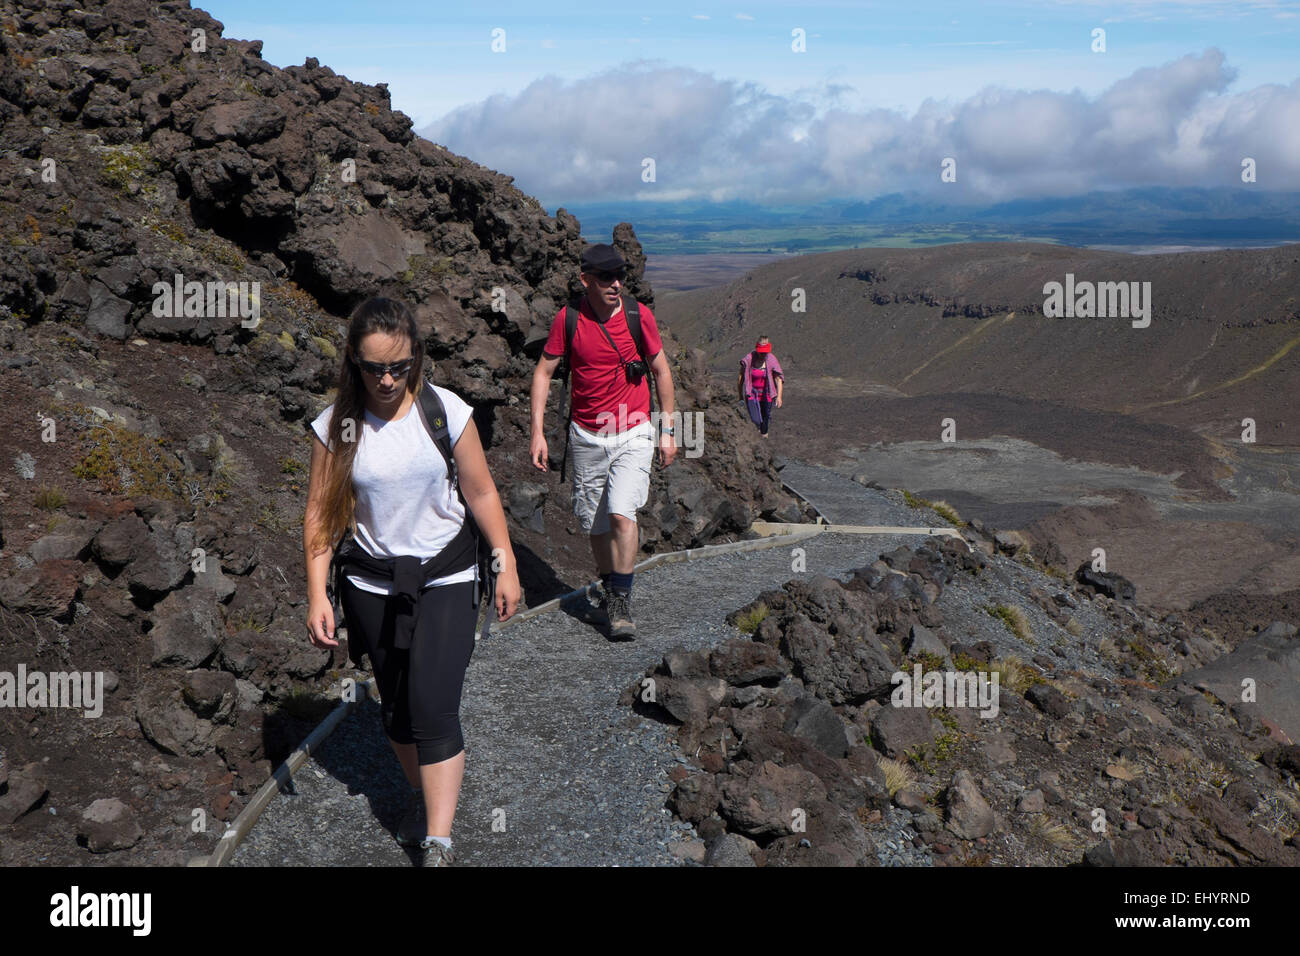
913 501
50 499
1013 618
748 622
1074 627
927 660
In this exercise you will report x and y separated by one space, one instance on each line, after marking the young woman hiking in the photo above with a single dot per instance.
408 578
761 383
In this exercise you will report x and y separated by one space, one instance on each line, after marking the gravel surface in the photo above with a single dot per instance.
574 778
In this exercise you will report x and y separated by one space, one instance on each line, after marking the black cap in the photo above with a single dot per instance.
602 257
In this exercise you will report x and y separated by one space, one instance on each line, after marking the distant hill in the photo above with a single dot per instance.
1237 216
1221 345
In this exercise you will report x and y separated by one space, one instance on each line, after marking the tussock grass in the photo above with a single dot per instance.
1014 674
50 499
944 510
898 775
1041 827
1013 618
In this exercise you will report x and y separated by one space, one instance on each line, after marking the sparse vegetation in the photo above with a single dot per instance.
948 513
747 623
1041 827
168 228
247 622
122 165
1074 627
306 705
944 510
226 253
125 462
50 499
898 775
1156 668
1013 618
928 757
1014 674
291 466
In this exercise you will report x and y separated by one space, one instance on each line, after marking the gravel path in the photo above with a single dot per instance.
574 778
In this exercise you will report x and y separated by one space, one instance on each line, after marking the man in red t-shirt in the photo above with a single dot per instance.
612 438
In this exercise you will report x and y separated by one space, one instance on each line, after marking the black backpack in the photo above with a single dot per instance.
632 310
434 416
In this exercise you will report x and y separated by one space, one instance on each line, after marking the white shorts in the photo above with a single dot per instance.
611 474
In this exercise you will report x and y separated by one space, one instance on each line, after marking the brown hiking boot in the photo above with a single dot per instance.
620 617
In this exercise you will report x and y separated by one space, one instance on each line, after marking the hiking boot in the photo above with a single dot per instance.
412 829
435 854
620 617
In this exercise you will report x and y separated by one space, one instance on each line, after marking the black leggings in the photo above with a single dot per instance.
419 689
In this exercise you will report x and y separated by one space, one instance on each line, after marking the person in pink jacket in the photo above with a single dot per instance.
761 383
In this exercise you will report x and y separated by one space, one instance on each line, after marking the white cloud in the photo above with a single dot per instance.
1174 125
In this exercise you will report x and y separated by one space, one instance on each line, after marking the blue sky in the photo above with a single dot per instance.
718 97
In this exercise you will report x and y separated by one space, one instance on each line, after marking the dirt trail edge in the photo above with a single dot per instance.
556 771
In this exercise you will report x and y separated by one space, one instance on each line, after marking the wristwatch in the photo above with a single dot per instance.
668 430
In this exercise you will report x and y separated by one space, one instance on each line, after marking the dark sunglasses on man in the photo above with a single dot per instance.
605 277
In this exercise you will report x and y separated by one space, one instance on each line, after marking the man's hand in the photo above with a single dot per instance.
537 451
667 449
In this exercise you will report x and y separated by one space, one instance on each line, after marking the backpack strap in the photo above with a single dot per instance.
570 328
632 310
434 415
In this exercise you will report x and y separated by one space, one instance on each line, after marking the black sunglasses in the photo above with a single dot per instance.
605 277
397 369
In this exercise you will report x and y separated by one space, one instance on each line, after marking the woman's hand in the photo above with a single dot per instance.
778 399
508 593
320 623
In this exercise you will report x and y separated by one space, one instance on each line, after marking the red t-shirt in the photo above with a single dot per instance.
596 373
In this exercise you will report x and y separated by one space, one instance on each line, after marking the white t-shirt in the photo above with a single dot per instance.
405 505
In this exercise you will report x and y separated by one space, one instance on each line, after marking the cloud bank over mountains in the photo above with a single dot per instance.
1172 125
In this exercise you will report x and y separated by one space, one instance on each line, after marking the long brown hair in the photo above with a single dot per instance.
338 499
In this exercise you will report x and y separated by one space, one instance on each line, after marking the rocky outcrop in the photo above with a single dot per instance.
804 751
